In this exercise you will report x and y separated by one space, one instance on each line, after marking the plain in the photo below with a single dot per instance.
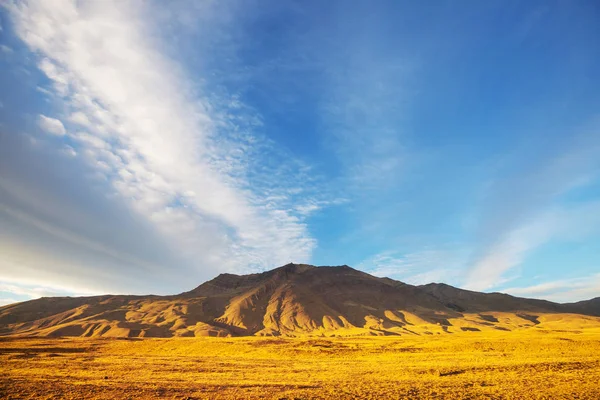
533 363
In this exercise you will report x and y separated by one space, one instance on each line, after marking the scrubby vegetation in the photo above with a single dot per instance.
530 364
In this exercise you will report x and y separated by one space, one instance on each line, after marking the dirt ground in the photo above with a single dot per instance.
512 365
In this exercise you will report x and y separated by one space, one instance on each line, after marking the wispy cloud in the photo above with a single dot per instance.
428 265
52 126
177 157
523 211
566 290
509 252
33 291
5 301
364 107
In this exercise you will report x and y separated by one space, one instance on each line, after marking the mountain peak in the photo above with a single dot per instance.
294 299
294 268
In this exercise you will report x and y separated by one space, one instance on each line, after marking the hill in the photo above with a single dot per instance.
292 300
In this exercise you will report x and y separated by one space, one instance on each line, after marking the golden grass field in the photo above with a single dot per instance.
529 364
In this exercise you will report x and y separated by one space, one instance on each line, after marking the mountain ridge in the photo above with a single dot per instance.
291 300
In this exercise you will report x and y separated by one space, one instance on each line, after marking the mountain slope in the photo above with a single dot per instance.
463 300
589 307
292 300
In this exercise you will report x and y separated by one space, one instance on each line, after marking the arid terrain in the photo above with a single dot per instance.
292 300
301 332
530 364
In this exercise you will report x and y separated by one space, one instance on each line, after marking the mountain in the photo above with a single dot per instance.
590 307
292 300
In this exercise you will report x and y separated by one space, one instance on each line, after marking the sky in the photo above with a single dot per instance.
147 147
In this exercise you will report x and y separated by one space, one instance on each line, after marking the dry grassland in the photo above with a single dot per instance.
532 364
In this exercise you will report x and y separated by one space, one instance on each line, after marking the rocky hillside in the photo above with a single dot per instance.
292 300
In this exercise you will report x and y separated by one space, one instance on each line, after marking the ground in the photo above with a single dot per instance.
532 364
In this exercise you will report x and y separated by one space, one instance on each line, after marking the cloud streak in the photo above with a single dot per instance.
165 150
523 211
561 290
421 267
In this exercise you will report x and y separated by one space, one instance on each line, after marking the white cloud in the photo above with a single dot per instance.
567 223
51 125
521 211
428 265
178 159
69 151
509 253
43 90
6 301
34 292
567 290
79 118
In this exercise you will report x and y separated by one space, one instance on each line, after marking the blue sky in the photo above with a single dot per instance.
145 148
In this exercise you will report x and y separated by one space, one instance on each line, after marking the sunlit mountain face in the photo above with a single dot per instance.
295 300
